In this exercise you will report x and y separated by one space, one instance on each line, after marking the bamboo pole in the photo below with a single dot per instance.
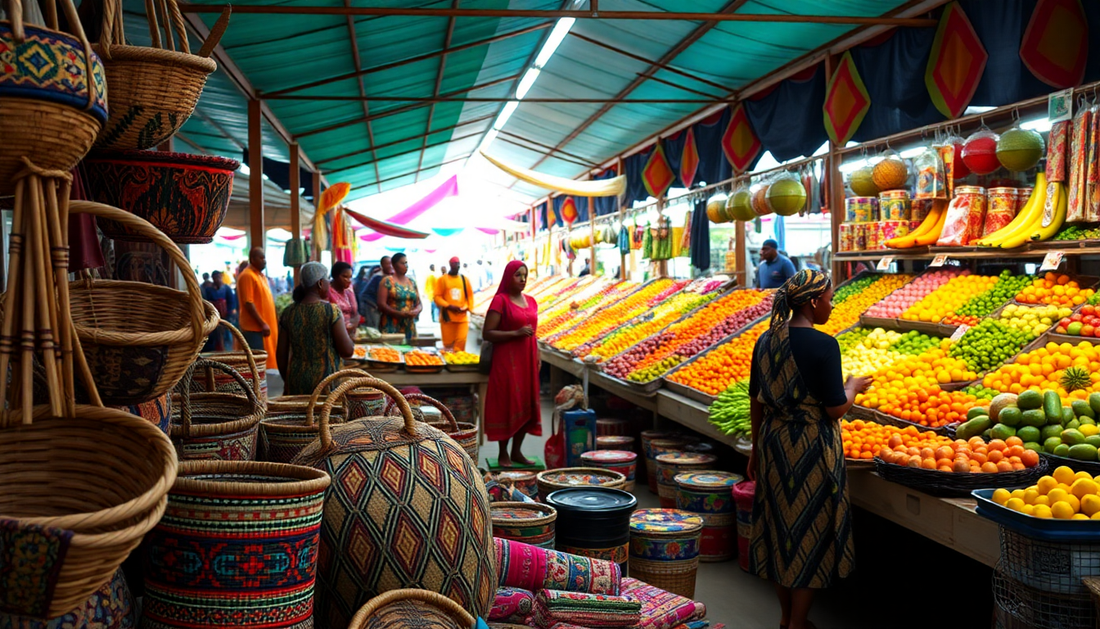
295 200
256 231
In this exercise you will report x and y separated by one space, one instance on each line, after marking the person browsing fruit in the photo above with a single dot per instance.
775 268
343 297
454 297
258 307
312 334
801 536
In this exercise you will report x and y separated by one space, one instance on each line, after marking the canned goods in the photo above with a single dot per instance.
894 205
847 237
1001 209
919 209
860 209
974 196
914 225
872 237
892 229
860 237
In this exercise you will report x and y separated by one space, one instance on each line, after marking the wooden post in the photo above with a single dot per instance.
739 254
295 200
534 247
257 230
622 256
662 266
592 234
316 205
835 189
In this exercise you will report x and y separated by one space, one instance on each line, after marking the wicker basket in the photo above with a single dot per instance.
251 364
955 484
664 549
152 91
256 527
52 113
564 477
221 426
464 433
282 436
102 476
527 522
138 338
401 609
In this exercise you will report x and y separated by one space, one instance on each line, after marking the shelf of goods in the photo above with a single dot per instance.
595 322
570 309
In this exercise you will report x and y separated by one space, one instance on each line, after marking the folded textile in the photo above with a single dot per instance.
661 609
532 568
512 605
597 611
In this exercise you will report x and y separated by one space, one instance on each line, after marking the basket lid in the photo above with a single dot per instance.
615 440
592 499
609 456
513 512
686 458
515 475
708 479
664 521
579 477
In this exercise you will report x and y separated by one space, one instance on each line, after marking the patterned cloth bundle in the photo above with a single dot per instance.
587 610
513 605
532 568
661 609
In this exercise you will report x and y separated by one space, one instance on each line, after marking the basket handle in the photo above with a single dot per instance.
147 230
355 383
316 396
176 17
184 388
252 367
430 401
215 36
424 596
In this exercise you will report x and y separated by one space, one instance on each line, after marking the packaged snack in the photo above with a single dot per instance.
957 226
931 178
1056 152
1001 209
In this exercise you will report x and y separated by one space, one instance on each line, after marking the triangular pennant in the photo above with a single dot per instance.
846 101
569 210
955 64
739 142
657 174
1056 43
689 160
551 218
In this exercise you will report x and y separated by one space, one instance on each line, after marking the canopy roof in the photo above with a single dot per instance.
382 101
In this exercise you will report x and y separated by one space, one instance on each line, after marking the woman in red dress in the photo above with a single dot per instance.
512 408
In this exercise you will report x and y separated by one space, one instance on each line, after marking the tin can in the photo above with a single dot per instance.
860 209
894 205
872 237
1002 206
847 237
974 196
859 242
1022 197
919 209
914 225
892 229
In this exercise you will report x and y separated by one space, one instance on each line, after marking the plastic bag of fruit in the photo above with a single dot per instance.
955 228
931 177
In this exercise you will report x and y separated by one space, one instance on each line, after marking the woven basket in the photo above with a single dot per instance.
407 508
664 549
251 364
402 609
284 435
52 113
527 522
464 433
101 476
222 426
956 484
256 528
138 338
564 477
152 91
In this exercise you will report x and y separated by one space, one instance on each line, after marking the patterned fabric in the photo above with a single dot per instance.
801 526
50 66
346 301
158 411
588 610
403 298
513 605
109 607
313 356
31 559
226 560
532 568
124 375
404 510
661 609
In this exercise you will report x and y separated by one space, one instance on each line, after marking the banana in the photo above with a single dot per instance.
933 234
1034 220
910 240
1023 217
1059 206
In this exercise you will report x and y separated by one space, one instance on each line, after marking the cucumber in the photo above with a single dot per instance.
1067 415
1029 400
1034 417
973 427
1094 402
976 411
1052 405
1081 408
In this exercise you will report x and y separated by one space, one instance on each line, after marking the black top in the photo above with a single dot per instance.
817 356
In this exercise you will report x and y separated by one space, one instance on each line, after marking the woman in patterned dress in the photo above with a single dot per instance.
801 528
399 301
312 336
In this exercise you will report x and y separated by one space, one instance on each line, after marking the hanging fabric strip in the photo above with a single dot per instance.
599 188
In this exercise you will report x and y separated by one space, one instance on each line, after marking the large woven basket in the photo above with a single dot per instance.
251 364
153 91
407 508
80 493
283 436
138 338
464 433
402 609
222 426
237 547
51 111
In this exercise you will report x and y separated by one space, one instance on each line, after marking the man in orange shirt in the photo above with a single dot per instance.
257 307
454 296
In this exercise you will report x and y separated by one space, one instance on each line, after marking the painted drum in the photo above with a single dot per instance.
594 522
608 427
708 494
526 482
664 549
656 448
565 477
530 523
742 499
621 461
673 463
615 442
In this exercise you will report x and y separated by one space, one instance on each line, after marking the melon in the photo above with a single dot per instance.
1020 149
786 197
760 200
714 207
739 206
979 152
961 171
862 183
890 173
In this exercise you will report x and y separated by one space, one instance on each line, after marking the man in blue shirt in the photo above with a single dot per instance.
775 268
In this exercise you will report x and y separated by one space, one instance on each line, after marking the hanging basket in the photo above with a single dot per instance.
400 609
251 364
464 433
138 338
283 436
80 491
51 111
220 426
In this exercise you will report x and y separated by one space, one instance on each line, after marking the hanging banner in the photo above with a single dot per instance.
689 160
569 211
657 174
846 101
739 142
1055 46
955 64
384 228
599 188
444 190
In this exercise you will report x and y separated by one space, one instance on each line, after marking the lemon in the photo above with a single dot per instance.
1057 495
1001 496
1089 430
1083 487
1018 505
1072 501
1090 504
1018 493
1064 475
1068 488
1079 516
1042 500
1061 511
1084 475
1045 484
1043 511
1029 496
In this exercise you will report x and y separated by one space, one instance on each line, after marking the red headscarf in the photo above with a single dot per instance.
506 278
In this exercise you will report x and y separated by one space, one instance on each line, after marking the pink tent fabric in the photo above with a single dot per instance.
447 189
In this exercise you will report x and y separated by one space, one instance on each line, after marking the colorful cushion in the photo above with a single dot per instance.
661 609
586 610
532 568
512 605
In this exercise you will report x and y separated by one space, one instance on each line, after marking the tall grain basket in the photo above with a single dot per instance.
252 364
82 491
222 426
664 549
403 609
464 433
237 547
283 435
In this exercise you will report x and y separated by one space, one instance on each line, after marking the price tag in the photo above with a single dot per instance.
939 260
1060 106
1051 261
959 332
884 263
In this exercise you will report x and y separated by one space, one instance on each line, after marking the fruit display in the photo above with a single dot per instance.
1020 149
910 389
853 299
864 440
461 358
1033 222
786 197
723 366
983 305
1078 232
1034 320
973 456
1043 422
567 312
949 297
863 352
417 358
927 233
988 345
1072 371
890 173
901 299
1062 495
1054 288
385 355
730 412
862 182
604 319
1084 323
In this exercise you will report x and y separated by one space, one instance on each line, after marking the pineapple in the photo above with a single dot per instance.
1074 378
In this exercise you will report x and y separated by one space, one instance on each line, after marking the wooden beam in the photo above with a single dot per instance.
407 108
779 18
663 66
354 41
679 87
256 231
193 144
438 84
316 208
610 101
408 139
396 64
434 144
295 194
450 161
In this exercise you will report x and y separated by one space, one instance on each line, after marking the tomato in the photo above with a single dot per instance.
1088 311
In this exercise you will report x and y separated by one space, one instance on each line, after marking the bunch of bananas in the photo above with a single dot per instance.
1039 220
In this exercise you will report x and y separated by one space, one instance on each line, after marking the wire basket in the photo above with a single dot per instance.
1019 606
956 484
1045 565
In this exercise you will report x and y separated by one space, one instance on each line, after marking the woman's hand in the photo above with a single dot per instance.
858 384
526 331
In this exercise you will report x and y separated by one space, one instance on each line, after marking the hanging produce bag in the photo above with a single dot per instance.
1078 165
624 240
1092 175
949 159
931 178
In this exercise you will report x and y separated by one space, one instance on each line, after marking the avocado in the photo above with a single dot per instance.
1002 431
1033 445
1052 405
973 427
1093 440
1086 421
1029 400
1094 402
1082 409
986 434
1034 417
1073 425
1062 451
1072 437
1031 433
1067 415
1010 416
976 411
1051 443
1048 432
1082 452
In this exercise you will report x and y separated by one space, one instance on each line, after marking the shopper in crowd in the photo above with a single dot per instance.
399 300
225 302
801 530
343 297
312 334
483 281
454 297
206 284
512 404
587 270
429 290
775 268
258 323
371 313
361 289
